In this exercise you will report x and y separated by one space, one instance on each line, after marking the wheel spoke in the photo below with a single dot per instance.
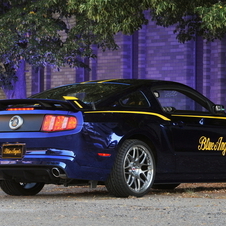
135 152
138 168
137 185
144 155
127 167
145 178
129 178
132 181
130 158
134 169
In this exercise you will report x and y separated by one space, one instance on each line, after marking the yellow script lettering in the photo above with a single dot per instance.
205 144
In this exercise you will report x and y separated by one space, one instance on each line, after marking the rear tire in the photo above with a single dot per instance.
133 171
12 187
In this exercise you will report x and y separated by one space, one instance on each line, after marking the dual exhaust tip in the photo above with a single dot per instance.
56 172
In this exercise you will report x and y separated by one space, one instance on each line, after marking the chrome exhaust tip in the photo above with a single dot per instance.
56 173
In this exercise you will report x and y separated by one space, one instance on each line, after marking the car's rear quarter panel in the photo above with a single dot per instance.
107 131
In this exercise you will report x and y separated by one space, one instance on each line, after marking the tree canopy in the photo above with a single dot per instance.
45 32
62 32
206 18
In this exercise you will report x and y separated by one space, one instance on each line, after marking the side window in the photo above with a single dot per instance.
135 99
172 100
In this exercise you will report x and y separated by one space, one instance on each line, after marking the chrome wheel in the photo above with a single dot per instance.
138 168
133 171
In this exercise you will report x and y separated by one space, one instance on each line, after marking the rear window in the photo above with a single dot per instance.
88 93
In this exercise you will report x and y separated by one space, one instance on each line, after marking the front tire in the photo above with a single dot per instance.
12 187
134 170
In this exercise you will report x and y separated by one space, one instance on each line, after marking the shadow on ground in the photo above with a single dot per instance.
195 190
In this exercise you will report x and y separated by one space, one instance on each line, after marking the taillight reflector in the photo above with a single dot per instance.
53 123
104 154
20 109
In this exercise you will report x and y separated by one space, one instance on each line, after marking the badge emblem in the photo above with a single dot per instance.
15 122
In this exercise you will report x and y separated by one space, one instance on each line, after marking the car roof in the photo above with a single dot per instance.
152 83
135 82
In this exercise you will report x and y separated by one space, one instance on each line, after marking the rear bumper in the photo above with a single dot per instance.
28 174
51 166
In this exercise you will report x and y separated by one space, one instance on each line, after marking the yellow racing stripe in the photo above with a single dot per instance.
74 99
79 105
70 98
107 80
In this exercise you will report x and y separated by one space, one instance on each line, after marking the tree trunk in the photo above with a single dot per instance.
19 86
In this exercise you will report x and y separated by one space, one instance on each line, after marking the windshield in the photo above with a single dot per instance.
88 93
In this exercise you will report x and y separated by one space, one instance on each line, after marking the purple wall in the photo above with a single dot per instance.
154 53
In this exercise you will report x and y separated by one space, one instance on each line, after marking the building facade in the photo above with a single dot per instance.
150 53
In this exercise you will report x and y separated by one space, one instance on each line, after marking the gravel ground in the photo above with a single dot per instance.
189 204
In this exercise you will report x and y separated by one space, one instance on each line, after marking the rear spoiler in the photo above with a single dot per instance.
45 104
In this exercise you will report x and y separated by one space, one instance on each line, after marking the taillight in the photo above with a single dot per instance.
53 123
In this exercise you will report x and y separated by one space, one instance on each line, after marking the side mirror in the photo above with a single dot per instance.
219 108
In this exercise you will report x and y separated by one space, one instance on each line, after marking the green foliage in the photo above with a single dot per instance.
60 32
206 18
213 19
46 32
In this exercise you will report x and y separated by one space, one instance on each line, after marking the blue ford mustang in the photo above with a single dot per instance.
128 134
